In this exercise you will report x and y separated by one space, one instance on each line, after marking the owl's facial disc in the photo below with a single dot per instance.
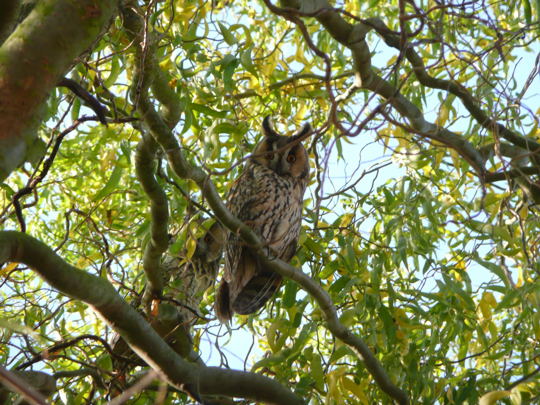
293 160
285 155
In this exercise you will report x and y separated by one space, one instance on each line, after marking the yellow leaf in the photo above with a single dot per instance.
485 309
190 247
490 299
443 115
299 117
515 396
356 389
268 65
6 269
346 220
166 64
492 397
334 394
456 159
300 55
348 317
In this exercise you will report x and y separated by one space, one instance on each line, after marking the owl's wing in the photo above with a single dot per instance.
259 284
239 202
246 200
249 283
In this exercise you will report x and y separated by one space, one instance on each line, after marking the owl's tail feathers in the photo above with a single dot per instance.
222 304
255 294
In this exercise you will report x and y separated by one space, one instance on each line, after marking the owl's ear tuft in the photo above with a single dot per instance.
304 131
268 130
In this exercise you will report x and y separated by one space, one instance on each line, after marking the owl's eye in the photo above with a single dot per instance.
291 158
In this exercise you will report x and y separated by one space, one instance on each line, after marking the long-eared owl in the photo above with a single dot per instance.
268 196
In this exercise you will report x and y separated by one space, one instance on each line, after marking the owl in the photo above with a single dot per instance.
268 196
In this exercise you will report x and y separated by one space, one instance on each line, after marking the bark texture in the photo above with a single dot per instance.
33 58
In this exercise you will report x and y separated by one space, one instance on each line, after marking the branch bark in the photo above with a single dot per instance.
33 59
352 36
25 383
159 210
142 338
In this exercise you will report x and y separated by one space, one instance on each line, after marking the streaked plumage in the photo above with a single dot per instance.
268 196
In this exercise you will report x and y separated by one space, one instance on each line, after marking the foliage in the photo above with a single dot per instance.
420 220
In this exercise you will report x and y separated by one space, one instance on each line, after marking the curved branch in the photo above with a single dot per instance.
353 37
32 60
142 338
159 209
511 174
86 96
17 383
43 355
451 86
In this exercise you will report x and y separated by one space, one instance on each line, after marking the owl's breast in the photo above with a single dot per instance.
270 204
279 207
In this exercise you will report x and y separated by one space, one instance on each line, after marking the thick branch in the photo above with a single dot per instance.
21 382
353 37
159 210
33 59
511 174
142 338
8 17
453 87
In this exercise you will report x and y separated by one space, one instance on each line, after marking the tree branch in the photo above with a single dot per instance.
33 59
142 338
17 383
453 87
353 37
159 210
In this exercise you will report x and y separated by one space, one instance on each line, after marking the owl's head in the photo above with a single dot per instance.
285 155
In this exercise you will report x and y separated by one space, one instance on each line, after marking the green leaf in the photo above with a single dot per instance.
314 246
316 370
509 300
9 191
495 269
112 183
228 71
114 73
208 110
388 324
227 128
527 11
340 352
289 296
247 62
339 285
227 36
